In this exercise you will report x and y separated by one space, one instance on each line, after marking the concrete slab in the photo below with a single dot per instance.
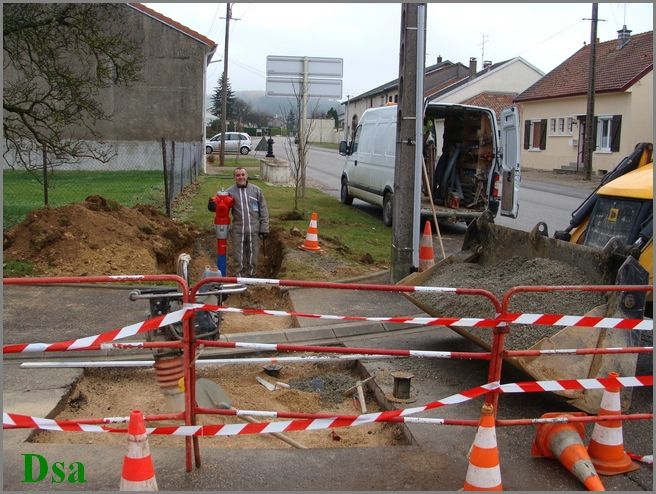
310 334
348 302
357 330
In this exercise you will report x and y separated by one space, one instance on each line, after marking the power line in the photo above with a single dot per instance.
550 37
249 68
216 11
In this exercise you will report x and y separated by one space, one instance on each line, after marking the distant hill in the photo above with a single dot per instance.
280 106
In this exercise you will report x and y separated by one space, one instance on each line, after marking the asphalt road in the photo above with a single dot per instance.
552 204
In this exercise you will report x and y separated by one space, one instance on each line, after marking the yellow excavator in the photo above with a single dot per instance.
610 239
621 208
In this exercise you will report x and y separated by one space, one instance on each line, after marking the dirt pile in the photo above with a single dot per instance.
98 237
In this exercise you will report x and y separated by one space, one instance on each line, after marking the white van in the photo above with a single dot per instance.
467 158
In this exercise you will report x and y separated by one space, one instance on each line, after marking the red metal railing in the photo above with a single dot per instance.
189 345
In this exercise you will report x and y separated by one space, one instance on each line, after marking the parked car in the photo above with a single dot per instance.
235 142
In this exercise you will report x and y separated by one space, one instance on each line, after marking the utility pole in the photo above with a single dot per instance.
407 120
589 117
224 78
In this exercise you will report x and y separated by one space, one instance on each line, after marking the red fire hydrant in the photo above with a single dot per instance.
221 204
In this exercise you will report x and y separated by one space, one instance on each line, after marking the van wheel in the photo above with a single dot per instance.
208 150
344 195
387 209
244 150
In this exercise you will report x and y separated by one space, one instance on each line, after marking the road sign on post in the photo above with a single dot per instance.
288 86
293 66
302 77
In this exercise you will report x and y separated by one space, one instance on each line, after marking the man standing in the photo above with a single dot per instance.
250 223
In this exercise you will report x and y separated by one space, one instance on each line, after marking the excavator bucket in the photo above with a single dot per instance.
487 244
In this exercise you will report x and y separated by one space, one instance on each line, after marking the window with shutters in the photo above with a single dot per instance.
535 134
607 133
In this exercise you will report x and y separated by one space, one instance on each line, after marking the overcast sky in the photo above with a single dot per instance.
366 35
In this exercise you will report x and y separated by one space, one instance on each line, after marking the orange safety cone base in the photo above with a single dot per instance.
540 448
309 249
469 487
610 468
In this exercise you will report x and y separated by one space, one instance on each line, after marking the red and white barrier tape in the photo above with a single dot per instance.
94 342
648 459
10 420
534 319
323 422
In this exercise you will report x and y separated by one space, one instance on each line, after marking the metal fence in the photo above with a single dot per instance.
181 162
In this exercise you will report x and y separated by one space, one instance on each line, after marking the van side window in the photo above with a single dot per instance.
390 136
356 139
367 138
379 140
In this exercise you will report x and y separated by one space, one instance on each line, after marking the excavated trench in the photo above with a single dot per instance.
313 388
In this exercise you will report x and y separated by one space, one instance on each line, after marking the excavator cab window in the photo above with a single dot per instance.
616 217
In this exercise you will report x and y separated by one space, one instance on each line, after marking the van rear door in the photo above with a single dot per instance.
510 170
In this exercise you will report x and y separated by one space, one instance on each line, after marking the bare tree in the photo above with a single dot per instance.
297 158
57 58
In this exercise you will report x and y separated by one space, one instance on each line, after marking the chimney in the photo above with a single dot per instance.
439 59
487 64
472 67
623 36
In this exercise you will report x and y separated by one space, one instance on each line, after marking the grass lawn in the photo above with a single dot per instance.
232 161
359 232
22 193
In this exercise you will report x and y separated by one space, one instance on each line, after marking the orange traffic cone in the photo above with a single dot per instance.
564 441
606 448
138 471
483 473
426 254
312 238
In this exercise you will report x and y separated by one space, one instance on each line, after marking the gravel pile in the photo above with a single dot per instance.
498 278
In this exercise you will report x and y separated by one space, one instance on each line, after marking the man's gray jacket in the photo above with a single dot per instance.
250 214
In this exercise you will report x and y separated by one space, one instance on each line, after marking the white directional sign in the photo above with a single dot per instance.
293 66
288 86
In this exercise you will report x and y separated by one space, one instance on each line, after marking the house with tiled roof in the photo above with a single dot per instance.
495 86
554 109
437 76
165 104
